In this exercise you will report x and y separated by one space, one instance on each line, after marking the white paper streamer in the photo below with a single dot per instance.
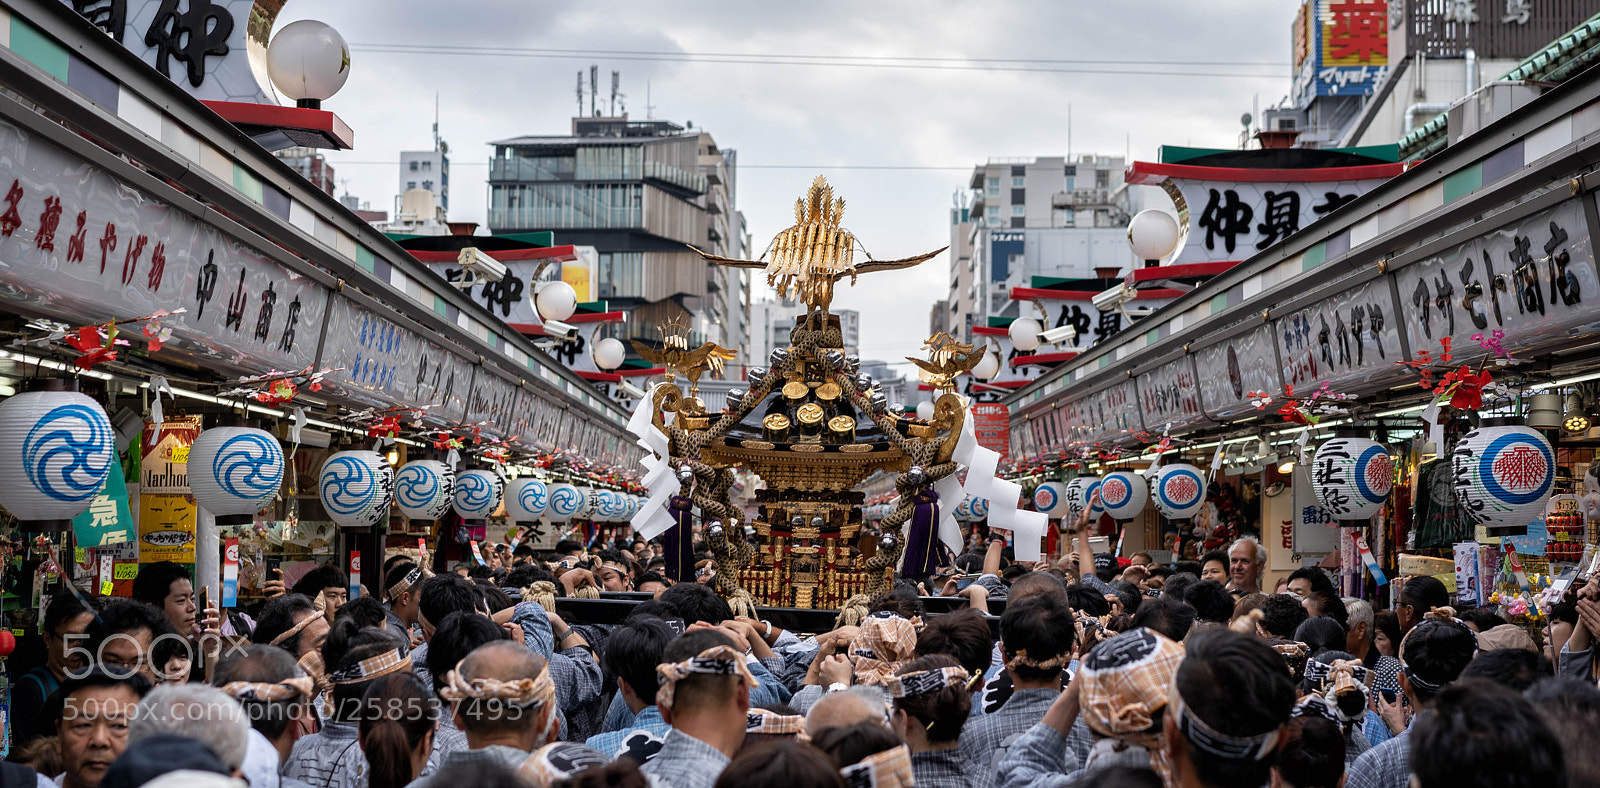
158 384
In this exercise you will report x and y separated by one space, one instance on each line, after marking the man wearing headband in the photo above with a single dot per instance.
1120 694
1226 711
402 587
931 701
1036 637
1433 654
502 697
614 573
632 653
276 696
291 622
705 696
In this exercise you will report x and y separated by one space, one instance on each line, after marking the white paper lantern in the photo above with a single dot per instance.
355 487
56 450
566 501
1352 477
1124 494
478 493
1024 333
424 489
526 500
1180 491
1503 477
591 503
1051 498
609 353
235 472
1079 493
964 511
555 300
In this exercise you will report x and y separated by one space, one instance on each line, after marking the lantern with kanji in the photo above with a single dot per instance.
424 489
964 511
235 472
526 499
1180 491
1080 494
1352 477
355 488
1124 494
56 450
1503 477
477 494
1051 498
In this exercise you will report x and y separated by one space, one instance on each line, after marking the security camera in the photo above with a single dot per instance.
629 390
480 267
1062 335
1113 298
1137 312
560 330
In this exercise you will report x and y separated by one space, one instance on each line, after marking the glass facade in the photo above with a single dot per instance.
567 205
620 275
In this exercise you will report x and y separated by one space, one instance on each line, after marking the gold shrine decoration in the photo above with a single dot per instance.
947 359
816 252
676 356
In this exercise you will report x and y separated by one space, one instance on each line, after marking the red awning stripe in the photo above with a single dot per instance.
555 254
1151 173
1031 293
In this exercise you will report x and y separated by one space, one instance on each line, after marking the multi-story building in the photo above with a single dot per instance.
428 170
311 165
1039 217
772 321
637 191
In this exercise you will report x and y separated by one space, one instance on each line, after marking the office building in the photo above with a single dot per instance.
428 170
638 192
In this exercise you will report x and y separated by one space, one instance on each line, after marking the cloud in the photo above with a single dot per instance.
818 115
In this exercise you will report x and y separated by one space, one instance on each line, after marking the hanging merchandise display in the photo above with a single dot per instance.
566 501
235 472
56 450
1051 498
355 488
477 494
1503 477
424 489
1180 491
526 499
1352 477
1124 494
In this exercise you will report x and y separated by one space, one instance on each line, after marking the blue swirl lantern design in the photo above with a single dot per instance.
355 488
1051 498
478 494
235 472
566 502
1180 491
424 489
56 450
1124 494
980 508
526 500
964 511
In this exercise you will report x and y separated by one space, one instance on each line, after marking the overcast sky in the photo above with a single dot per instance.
814 115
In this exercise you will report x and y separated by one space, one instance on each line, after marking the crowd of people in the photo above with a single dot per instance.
1098 672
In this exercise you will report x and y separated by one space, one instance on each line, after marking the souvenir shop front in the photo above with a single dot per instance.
199 350
1404 387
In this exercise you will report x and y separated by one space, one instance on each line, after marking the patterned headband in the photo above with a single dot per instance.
888 769
1211 740
771 723
412 578
534 693
1023 660
371 668
321 607
263 692
715 661
923 682
1318 706
312 664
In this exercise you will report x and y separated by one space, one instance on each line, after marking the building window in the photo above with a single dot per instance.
413 165
1102 179
1071 170
993 183
1019 182
1018 222
993 211
1018 210
994 191
1015 171
1018 196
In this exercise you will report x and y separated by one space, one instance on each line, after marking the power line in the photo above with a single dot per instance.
845 61
742 166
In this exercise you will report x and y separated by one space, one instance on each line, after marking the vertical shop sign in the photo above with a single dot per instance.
166 512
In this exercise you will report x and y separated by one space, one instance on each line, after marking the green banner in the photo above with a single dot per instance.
107 520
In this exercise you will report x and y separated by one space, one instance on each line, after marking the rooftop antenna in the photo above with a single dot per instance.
1069 131
436 120
616 82
649 109
580 94
594 90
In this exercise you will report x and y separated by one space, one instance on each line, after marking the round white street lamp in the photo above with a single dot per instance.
1024 333
309 61
1154 235
609 353
555 300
